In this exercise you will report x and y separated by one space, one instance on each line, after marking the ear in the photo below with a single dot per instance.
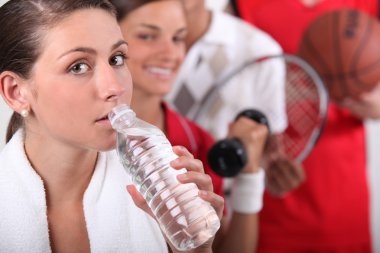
13 91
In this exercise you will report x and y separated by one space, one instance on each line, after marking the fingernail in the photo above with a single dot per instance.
182 177
174 162
179 148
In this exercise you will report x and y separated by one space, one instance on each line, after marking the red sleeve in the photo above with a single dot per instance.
206 143
181 131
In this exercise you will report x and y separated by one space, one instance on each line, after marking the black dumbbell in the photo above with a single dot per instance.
228 157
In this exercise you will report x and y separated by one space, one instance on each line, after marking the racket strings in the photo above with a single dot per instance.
302 100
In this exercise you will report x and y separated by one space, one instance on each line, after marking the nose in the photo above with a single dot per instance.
172 50
113 82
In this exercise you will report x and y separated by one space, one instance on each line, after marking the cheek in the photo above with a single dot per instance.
129 92
181 56
135 61
67 109
54 114
137 56
141 53
133 65
59 101
136 71
126 79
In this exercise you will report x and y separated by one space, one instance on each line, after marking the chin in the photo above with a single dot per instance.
107 147
108 144
164 90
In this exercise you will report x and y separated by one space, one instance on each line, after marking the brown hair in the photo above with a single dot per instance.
23 26
124 7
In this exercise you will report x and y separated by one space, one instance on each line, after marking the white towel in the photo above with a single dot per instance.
114 223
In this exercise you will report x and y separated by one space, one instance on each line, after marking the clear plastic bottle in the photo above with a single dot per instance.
186 219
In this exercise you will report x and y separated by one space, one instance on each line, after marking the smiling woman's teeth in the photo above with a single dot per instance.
160 71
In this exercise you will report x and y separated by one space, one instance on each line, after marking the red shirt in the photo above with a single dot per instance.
286 20
330 211
183 132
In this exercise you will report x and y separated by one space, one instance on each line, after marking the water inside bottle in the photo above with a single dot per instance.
186 219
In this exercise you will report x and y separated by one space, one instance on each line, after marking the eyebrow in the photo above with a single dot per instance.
182 30
153 27
91 50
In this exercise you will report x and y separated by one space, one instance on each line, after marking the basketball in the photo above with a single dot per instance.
343 46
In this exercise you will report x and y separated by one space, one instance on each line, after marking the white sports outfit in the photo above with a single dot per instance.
227 44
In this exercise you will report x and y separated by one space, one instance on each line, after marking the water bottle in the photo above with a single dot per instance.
187 220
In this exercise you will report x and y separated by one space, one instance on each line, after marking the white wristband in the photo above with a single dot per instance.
247 192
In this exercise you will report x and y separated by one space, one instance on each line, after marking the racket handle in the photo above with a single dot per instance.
228 157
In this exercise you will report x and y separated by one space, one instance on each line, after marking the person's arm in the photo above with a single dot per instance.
282 174
240 232
367 106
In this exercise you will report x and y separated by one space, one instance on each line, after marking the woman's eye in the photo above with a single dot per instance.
79 68
179 39
118 60
146 37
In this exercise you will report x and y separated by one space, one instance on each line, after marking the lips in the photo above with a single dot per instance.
102 118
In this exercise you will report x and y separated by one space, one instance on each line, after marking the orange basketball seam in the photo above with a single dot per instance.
357 53
338 56
318 59
352 73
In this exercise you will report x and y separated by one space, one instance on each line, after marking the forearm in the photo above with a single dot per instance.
241 233
239 236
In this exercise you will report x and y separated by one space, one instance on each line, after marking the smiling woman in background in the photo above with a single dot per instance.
156 31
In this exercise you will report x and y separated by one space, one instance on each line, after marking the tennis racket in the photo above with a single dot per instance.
306 100
306 108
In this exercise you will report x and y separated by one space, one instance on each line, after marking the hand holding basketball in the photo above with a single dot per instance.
367 107
344 48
